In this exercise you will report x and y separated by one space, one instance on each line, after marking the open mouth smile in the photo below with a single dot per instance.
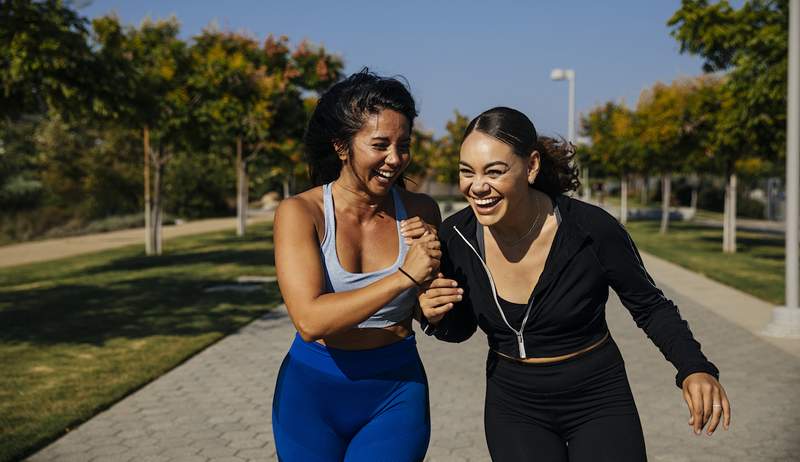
385 176
486 204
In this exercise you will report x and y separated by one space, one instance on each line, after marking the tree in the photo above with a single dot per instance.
45 59
670 123
424 147
252 96
146 73
750 44
45 65
445 163
612 130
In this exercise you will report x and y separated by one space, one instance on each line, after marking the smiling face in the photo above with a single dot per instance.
378 153
494 180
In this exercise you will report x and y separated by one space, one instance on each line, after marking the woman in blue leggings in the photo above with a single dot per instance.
352 386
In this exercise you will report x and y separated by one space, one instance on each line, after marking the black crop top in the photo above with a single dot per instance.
590 253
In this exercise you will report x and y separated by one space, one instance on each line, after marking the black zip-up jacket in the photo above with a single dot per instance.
566 311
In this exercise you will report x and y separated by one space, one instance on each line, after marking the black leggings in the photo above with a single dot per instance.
579 410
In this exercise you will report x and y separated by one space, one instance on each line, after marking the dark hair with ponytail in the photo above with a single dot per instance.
342 111
557 174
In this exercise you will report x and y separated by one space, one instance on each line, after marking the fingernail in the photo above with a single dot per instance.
461 291
458 296
453 283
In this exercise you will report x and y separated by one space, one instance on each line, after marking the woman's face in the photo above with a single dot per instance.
379 152
494 180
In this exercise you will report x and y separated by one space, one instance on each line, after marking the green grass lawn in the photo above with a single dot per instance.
757 268
78 334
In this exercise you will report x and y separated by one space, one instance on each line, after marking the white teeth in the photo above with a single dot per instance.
486 201
385 174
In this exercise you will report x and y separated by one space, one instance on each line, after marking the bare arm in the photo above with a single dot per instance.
314 313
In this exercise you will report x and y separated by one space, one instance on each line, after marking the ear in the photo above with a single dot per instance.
534 163
342 150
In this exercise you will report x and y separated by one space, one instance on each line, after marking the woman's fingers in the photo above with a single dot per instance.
440 281
708 404
444 300
442 292
688 398
434 313
696 399
415 227
726 410
716 411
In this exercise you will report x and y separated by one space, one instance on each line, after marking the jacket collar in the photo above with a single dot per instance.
568 241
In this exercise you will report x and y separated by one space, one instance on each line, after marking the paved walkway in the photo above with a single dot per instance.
51 249
216 406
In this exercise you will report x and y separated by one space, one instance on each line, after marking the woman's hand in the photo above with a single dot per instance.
708 403
438 298
414 228
423 258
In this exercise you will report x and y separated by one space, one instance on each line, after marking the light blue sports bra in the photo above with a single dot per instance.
337 279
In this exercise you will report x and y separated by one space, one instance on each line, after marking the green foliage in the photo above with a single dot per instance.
74 101
200 189
45 59
674 123
444 163
424 147
751 44
615 147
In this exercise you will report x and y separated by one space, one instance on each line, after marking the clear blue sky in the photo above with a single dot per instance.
467 55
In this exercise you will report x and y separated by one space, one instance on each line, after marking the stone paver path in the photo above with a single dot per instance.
216 406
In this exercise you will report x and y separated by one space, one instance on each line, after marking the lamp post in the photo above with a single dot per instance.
569 76
786 319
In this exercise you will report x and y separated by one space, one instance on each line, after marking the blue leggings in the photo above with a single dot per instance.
341 405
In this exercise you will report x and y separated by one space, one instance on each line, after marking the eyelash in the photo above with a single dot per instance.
491 173
401 148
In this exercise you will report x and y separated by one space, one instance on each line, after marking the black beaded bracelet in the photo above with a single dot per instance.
409 276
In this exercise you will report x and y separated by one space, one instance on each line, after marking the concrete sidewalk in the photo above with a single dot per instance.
216 406
52 249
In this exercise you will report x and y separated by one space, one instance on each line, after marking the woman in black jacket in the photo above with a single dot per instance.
532 268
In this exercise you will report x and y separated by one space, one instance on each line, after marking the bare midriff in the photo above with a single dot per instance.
553 359
369 338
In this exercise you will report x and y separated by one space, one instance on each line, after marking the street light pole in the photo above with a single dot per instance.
786 319
569 76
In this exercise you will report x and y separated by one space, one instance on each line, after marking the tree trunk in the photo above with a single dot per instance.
148 222
587 191
729 226
666 184
623 207
286 191
644 191
241 190
695 188
158 167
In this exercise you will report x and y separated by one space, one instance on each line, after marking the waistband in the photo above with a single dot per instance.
354 363
559 376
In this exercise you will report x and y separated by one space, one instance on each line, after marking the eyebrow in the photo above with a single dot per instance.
489 165
386 139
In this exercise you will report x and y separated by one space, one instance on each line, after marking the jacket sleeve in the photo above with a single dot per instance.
459 323
658 316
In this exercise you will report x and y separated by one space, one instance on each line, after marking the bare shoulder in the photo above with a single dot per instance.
421 205
302 210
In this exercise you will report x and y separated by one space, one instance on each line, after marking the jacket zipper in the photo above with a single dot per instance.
520 339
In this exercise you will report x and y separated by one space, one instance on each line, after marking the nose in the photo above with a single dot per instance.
393 158
479 186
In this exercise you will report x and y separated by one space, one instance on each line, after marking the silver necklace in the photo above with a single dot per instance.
527 233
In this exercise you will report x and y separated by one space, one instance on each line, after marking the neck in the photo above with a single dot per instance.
358 199
524 219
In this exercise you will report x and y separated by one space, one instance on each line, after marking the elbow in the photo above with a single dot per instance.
308 331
